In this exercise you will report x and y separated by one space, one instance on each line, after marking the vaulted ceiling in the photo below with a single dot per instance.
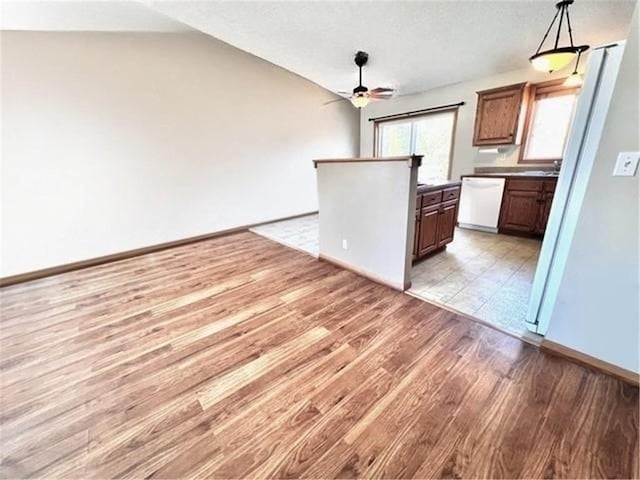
413 45
85 16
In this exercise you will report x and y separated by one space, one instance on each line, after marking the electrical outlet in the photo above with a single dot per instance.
345 245
627 164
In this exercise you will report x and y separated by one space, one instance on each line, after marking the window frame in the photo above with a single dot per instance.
414 118
548 89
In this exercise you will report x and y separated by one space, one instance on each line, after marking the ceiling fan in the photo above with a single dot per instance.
361 95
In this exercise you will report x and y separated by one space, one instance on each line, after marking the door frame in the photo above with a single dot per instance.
582 148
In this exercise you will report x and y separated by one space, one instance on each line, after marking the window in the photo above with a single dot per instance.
430 135
546 127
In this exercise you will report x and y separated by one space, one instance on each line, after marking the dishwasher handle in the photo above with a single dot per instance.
476 184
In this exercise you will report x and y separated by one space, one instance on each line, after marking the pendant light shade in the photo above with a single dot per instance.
552 60
557 57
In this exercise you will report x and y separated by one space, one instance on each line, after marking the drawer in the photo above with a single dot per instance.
525 185
431 198
450 194
418 201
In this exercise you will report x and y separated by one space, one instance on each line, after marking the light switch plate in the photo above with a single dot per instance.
627 164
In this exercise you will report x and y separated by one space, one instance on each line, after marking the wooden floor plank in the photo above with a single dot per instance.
238 357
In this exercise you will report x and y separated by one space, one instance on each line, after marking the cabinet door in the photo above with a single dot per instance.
429 229
497 115
543 214
447 222
519 211
416 235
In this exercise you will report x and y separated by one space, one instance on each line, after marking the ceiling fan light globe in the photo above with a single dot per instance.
552 60
359 101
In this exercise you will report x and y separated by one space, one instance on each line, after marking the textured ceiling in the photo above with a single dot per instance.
413 45
87 15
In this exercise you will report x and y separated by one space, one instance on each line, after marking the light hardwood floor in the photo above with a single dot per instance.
238 357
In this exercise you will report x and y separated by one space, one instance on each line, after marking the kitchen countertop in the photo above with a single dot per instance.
515 174
422 188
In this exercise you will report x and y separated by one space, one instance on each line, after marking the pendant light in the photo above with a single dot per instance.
558 57
575 79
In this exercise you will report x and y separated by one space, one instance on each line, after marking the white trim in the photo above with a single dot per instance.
480 228
582 147
365 273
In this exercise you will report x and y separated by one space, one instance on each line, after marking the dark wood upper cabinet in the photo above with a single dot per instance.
498 115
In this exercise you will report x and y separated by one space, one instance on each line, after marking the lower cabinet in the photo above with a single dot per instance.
447 217
416 235
435 221
526 205
545 208
520 211
429 230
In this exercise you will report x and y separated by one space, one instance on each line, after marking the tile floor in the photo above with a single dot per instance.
485 275
301 233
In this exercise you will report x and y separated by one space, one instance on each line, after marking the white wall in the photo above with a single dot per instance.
115 141
597 308
371 205
465 156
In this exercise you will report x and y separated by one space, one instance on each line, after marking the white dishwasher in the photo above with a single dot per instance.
480 201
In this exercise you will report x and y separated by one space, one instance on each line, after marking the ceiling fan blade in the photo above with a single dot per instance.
335 100
343 92
378 96
382 90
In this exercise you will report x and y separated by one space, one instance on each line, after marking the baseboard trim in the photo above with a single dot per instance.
114 257
551 347
363 273
590 362
480 228
275 239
